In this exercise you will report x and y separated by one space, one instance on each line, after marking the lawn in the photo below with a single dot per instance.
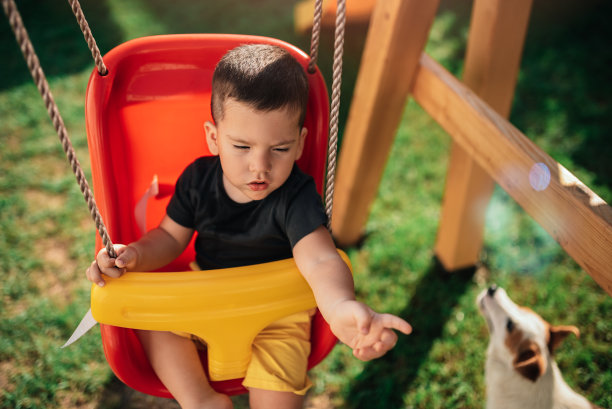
562 103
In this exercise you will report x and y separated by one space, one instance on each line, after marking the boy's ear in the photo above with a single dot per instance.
211 137
301 142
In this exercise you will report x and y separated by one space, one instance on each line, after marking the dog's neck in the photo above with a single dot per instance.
507 389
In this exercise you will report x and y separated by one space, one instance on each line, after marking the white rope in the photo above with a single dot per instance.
332 144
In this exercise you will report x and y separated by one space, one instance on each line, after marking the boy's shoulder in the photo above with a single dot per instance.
205 161
297 186
203 169
203 164
298 178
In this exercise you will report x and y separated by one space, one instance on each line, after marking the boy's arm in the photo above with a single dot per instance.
327 274
155 249
367 332
158 247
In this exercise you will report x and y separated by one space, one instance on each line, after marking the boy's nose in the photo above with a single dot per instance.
260 163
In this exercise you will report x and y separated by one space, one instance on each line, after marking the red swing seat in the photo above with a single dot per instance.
144 119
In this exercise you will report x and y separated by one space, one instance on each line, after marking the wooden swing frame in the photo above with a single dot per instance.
485 145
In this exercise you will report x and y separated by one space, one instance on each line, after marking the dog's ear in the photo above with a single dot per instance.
529 361
557 333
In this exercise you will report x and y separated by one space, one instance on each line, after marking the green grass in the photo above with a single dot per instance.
47 240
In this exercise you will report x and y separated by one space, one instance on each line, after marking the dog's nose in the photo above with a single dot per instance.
491 290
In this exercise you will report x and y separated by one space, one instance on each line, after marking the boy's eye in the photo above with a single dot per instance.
281 149
241 147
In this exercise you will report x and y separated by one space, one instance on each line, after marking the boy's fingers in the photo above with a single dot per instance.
124 257
383 346
94 275
388 337
114 272
362 354
104 260
393 322
369 353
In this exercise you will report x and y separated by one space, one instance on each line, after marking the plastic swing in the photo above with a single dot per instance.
144 112
144 119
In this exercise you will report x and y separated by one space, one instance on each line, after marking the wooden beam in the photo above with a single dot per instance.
396 38
358 12
578 219
495 44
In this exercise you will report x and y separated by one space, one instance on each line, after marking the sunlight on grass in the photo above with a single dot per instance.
135 19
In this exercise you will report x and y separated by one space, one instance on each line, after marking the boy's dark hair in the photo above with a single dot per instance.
263 76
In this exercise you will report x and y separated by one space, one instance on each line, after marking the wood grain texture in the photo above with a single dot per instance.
577 218
494 49
396 38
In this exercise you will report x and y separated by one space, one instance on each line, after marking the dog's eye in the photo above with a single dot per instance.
509 325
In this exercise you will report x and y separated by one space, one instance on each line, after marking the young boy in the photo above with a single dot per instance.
251 204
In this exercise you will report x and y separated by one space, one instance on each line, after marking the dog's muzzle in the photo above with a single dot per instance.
489 292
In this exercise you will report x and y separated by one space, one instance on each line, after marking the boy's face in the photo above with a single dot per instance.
257 149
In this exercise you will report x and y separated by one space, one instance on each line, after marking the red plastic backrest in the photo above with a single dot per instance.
145 118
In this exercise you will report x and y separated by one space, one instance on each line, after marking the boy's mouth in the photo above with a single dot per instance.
257 186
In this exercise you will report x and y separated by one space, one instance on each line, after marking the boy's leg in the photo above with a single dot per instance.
177 364
276 377
263 399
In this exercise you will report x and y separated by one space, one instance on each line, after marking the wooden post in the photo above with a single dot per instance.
495 45
396 38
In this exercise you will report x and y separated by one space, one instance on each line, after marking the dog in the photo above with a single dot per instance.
520 371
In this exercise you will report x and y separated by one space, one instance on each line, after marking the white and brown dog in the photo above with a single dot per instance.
520 370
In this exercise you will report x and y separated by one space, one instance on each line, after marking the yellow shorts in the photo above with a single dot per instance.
279 359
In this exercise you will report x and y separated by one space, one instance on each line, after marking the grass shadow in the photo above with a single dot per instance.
56 37
384 381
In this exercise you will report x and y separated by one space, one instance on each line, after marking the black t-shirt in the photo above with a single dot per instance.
231 234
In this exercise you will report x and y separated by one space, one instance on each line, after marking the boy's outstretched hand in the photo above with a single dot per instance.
367 332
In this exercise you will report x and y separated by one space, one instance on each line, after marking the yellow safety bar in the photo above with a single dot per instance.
227 307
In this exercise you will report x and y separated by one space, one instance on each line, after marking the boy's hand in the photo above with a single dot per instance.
112 267
368 333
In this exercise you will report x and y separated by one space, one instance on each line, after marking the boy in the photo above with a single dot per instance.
249 203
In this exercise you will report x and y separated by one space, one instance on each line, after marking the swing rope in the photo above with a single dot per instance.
316 36
332 143
40 80
23 39
91 41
